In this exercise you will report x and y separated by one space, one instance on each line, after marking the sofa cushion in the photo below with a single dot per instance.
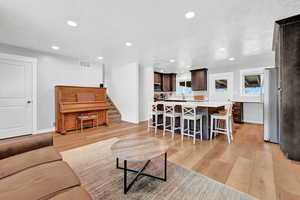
39 181
13 146
72 194
17 163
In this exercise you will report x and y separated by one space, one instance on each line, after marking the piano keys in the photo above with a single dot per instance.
72 102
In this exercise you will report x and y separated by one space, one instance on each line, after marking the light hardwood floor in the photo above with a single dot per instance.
249 164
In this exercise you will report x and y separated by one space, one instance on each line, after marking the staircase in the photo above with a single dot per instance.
113 113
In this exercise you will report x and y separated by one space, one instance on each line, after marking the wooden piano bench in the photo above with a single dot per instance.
83 118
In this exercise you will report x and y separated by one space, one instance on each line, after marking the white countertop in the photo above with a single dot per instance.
211 104
189 99
186 100
244 100
248 100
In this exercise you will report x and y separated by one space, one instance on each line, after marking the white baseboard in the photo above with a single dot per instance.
133 122
143 119
46 130
253 122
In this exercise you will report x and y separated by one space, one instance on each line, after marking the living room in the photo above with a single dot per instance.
149 99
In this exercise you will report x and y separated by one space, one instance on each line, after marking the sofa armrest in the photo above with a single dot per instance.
14 146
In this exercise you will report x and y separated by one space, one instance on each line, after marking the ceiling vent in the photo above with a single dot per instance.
85 64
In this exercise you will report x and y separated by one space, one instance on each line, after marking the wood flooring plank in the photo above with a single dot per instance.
240 175
248 164
286 181
210 157
191 160
262 184
219 171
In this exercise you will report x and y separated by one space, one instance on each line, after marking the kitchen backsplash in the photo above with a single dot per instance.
166 95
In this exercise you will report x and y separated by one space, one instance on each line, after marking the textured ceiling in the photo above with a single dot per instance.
158 30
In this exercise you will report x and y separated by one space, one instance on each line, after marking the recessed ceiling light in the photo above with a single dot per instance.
190 15
231 59
55 47
72 23
222 49
172 60
188 66
100 58
129 44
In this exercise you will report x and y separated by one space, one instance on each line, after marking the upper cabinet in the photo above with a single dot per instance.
157 78
199 79
173 82
164 82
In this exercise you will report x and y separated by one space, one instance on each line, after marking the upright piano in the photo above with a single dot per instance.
73 101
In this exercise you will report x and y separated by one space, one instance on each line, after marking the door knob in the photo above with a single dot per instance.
28 102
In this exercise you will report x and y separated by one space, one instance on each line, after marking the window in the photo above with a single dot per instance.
221 85
251 82
185 87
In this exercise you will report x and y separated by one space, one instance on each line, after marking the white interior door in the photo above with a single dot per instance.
16 96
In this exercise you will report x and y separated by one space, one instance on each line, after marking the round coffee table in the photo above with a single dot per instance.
138 149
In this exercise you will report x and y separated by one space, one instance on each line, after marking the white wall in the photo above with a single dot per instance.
236 81
55 70
60 71
220 96
253 111
146 91
123 84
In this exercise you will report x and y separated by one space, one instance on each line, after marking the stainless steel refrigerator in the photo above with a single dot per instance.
271 105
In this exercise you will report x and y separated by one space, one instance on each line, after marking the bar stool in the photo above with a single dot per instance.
170 112
189 113
227 118
154 113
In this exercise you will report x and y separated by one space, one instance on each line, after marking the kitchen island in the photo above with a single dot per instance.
203 106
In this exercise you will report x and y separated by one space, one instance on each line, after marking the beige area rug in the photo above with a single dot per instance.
96 168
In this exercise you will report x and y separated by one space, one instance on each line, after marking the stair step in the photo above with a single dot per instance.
113 113
113 119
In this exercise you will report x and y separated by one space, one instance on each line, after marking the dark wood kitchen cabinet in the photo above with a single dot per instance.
157 82
157 78
199 79
287 59
173 82
169 82
164 82
237 112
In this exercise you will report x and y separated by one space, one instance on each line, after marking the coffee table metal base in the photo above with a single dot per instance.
140 173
